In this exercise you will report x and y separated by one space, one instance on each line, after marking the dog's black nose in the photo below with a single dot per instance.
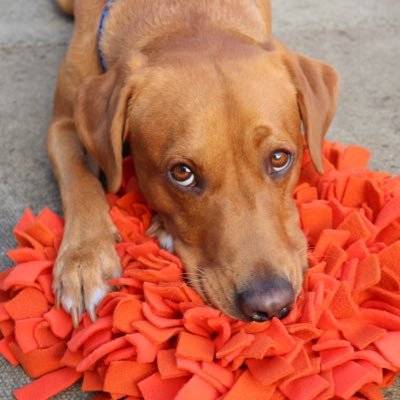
267 298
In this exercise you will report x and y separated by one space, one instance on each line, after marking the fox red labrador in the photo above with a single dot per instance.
213 108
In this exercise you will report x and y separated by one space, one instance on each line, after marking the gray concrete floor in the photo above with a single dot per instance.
360 38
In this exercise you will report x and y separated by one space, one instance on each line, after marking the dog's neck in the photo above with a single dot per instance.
146 22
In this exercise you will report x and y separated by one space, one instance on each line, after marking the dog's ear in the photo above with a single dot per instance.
100 116
317 86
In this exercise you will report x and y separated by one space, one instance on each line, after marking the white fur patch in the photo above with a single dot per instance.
166 240
67 303
157 230
97 296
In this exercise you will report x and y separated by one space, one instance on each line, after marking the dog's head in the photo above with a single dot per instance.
216 141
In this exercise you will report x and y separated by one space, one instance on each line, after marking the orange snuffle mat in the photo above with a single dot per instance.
156 340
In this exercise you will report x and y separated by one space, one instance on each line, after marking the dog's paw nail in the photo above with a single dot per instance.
157 230
58 299
117 237
67 304
75 316
154 226
94 300
166 241
92 312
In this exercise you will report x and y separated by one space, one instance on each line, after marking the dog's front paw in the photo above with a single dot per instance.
81 273
158 231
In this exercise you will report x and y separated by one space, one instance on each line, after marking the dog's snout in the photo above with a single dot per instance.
267 298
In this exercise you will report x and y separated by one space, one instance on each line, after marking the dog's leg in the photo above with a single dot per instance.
87 257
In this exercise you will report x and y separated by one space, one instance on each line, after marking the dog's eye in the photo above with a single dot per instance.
183 175
280 161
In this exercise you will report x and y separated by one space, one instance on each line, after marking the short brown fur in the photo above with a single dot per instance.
195 82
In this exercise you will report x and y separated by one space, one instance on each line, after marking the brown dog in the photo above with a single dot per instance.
212 107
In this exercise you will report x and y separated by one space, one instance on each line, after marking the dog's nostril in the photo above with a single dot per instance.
265 299
260 316
284 312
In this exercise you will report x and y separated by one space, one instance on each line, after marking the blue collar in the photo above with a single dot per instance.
100 33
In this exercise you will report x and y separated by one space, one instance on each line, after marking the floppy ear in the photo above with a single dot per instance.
100 117
317 86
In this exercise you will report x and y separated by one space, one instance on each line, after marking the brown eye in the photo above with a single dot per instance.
280 161
182 175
